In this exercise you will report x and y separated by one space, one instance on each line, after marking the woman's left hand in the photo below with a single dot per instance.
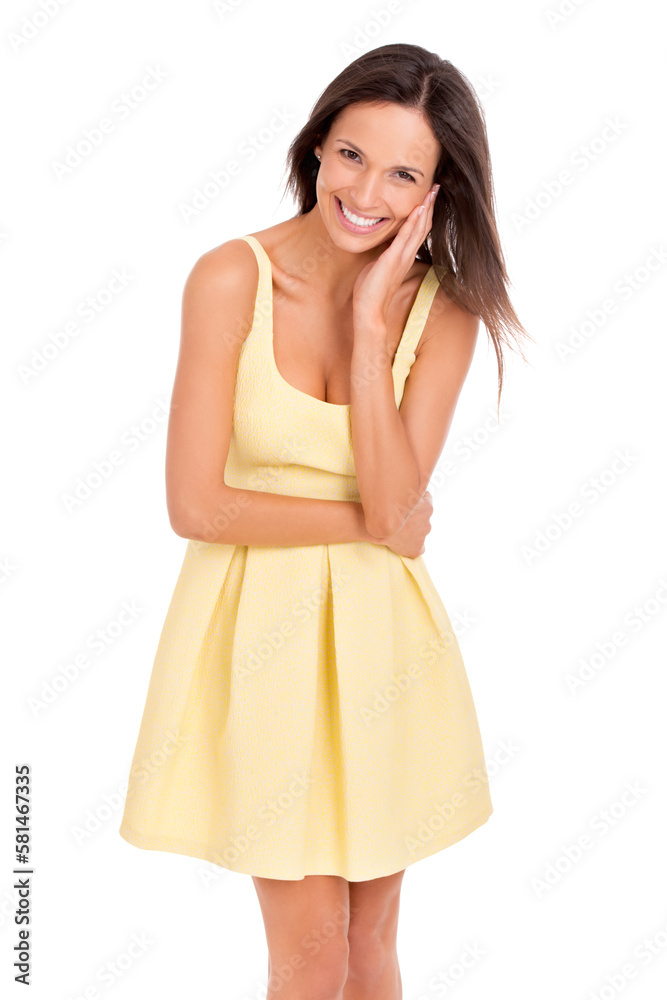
378 282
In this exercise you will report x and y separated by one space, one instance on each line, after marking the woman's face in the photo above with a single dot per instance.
377 162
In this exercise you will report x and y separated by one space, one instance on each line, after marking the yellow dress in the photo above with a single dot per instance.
308 710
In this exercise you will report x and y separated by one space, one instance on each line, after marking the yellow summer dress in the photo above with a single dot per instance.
308 710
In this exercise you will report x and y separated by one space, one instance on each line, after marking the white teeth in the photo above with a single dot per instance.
355 219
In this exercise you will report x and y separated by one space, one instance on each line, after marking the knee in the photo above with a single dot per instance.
318 976
371 954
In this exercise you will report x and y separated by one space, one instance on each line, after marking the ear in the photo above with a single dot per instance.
317 150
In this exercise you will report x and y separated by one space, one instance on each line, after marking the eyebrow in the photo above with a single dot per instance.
414 170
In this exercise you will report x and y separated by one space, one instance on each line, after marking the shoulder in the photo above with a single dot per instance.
219 295
448 326
221 286
226 268
443 358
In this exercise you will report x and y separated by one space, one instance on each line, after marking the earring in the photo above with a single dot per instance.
318 157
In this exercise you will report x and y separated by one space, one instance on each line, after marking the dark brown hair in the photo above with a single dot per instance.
463 243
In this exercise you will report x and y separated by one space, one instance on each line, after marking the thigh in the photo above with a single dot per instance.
304 918
374 907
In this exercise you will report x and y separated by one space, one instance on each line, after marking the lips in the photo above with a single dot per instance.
350 226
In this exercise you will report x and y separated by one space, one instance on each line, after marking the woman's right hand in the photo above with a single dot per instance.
409 539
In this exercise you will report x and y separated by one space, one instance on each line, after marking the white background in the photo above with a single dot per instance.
548 83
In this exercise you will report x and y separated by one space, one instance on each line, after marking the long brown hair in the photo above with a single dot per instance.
463 243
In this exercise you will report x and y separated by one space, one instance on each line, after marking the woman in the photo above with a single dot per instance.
309 720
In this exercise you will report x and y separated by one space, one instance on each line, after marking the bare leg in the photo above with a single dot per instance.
306 924
373 972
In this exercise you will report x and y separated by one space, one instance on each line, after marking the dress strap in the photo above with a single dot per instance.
421 308
264 296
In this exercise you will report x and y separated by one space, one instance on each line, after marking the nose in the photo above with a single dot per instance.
366 195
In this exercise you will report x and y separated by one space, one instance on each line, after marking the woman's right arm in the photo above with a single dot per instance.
217 311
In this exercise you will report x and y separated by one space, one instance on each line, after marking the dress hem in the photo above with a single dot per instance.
193 850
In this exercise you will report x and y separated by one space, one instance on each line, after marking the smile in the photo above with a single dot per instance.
356 223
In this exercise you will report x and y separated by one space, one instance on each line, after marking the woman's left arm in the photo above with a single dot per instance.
396 450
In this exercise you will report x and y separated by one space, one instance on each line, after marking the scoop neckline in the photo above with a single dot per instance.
292 388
